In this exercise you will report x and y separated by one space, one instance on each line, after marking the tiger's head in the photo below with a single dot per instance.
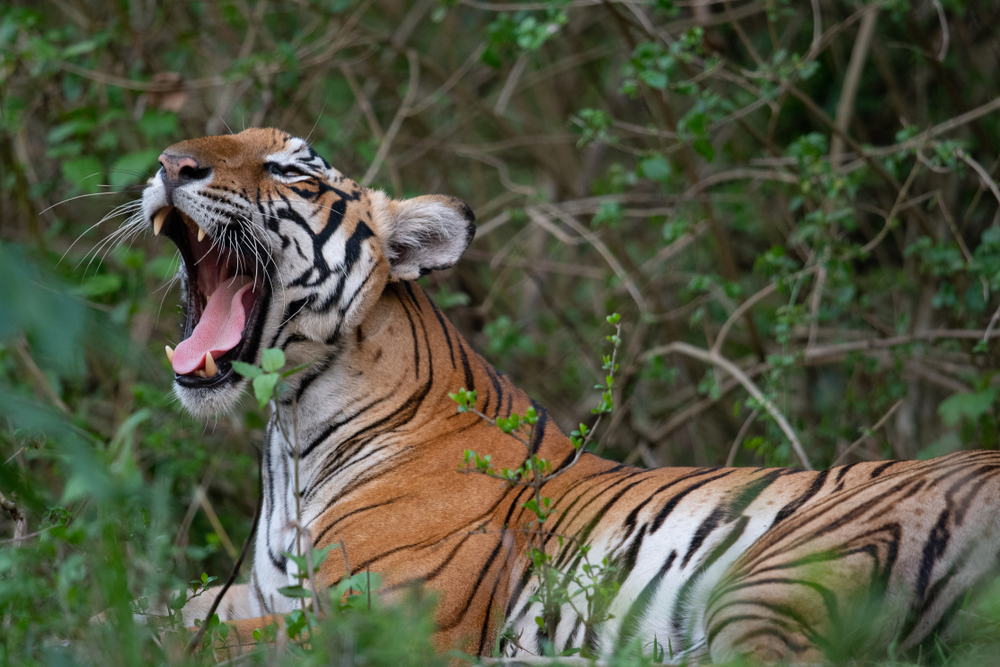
279 247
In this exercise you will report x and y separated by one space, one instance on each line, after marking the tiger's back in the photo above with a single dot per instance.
712 562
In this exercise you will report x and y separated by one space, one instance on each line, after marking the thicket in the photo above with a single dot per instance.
793 207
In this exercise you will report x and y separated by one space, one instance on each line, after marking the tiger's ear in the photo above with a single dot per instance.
422 234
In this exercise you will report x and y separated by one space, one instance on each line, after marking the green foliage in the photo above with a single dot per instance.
588 588
717 178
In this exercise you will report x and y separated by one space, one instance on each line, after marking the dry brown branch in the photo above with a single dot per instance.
945 33
543 265
674 248
984 175
38 378
814 48
397 121
867 433
739 312
914 368
503 99
739 174
827 352
606 253
848 91
19 517
196 639
682 417
816 301
868 247
718 360
213 518
441 90
739 437
743 12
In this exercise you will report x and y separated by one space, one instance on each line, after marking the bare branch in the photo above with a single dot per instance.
867 433
725 364
397 121
19 517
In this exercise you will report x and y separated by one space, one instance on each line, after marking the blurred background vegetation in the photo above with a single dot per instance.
793 201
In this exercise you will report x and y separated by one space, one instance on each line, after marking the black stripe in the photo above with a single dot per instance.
796 504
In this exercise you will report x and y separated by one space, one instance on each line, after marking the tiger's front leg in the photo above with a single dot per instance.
885 563
235 605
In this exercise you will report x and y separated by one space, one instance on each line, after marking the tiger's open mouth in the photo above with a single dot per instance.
226 298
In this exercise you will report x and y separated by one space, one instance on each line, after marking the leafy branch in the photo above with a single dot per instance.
592 581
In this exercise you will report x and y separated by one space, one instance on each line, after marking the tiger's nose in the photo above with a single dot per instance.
180 169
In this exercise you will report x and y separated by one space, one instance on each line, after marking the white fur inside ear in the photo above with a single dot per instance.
425 233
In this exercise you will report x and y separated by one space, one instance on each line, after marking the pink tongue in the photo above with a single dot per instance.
220 328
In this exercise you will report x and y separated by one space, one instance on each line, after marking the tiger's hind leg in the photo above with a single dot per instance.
887 562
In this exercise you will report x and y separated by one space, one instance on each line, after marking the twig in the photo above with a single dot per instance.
739 174
716 359
608 256
690 412
38 377
817 300
817 31
193 644
945 33
19 517
739 437
397 121
311 571
214 520
868 247
14 455
881 422
347 563
845 107
940 128
451 82
986 179
748 304
769 289
508 88
893 341
993 323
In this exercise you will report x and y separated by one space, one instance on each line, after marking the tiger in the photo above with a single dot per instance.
281 250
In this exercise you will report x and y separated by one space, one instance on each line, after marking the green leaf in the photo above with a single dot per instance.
963 404
704 148
162 268
80 48
272 360
654 79
247 370
295 592
296 369
158 124
133 167
61 133
263 387
105 283
655 168
86 173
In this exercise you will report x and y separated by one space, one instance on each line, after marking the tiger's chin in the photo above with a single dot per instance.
225 298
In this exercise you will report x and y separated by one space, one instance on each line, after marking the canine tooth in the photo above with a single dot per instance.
158 219
170 353
210 368
201 234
